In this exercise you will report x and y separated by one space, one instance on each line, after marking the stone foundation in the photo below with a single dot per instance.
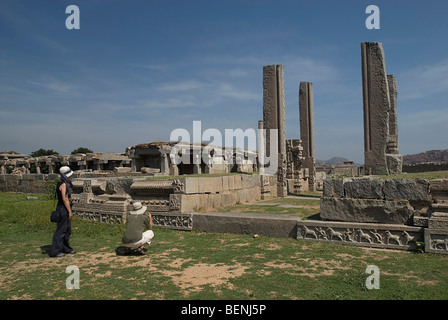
171 202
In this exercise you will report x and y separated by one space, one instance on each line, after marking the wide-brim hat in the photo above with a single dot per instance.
66 170
138 208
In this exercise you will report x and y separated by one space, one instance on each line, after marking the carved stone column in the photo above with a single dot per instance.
306 109
274 118
376 102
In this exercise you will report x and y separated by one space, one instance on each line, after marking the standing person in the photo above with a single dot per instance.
61 244
134 235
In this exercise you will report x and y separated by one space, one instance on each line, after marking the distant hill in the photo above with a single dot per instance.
428 156
334 160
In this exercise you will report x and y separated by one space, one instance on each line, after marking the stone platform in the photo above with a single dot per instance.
374 235
274 225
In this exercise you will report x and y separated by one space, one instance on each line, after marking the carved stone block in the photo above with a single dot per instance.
333 188
439 189
365 210
364 189
407 189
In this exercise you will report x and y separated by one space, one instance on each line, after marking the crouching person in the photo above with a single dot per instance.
135 236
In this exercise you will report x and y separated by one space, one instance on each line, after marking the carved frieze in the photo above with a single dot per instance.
178 222
265 187
436 240
362 234
101 217
178 186
87 186
151 186
175 200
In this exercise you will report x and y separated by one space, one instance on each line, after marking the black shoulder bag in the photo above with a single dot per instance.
55 216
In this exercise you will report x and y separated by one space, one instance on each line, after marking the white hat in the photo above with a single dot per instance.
66 170
138 208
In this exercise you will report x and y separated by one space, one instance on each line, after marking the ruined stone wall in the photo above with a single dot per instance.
350 170
214 192
26 183
37 183
405 210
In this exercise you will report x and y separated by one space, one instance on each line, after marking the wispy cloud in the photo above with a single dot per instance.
53 86
306 67
207 92
229 91
10 12
157 67
169 103
423 80
237 72
425 118
182 86
309 69
233 60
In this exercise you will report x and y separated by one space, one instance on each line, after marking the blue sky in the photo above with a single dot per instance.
136 70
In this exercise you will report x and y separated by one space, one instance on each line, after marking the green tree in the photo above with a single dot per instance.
43 152
82 150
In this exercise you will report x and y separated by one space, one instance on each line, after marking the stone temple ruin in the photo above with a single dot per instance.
363 211
155 158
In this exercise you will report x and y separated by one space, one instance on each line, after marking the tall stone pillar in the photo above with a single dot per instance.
260 147
37 167
174 170
164 166
380 113
376 103
393 158
392 146
274 118
306 111
50 165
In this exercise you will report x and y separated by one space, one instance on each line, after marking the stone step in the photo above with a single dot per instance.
439 189
440 206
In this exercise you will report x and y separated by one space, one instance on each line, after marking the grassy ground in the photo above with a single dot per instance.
419 175
194 265
291 205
